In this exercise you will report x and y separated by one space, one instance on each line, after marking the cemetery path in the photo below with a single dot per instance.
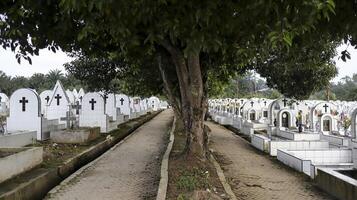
254 175
130 170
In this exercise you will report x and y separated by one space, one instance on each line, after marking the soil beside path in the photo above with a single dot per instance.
254 175
130 170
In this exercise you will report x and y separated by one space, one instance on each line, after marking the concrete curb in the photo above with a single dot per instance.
37 187
222 178
161 193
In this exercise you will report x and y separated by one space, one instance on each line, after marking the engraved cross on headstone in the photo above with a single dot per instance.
252 103
325 106
121 101
58 97
285 100
47 99
92 102
23 101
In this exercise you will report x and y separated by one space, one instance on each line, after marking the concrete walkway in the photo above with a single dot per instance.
254 175
129 170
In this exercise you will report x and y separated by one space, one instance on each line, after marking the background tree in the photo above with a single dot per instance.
38 82
53 75
5 83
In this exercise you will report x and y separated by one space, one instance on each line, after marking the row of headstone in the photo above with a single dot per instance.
333 117
320 133
59 109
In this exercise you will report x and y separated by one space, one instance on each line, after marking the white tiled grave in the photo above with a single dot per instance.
224 120
337 183
267 145
296 136
301 160
249 127
336 140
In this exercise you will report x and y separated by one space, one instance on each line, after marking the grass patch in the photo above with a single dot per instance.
191 179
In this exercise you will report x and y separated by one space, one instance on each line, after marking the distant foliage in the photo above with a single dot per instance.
247 85
38 81
344 90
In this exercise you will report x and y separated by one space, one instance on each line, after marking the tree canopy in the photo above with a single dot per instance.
189 48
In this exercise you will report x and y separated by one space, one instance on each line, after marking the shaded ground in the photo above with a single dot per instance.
56 154
188 178
128 171
254 175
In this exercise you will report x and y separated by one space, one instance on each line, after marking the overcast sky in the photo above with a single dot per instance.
48 60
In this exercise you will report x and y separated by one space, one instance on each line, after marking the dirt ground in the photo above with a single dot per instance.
254 175
188 176
128 171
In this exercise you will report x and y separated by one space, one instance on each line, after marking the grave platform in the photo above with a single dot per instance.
339 183
336 140
18 139
14 161
302 160
82 135
296 136
271 146
249 127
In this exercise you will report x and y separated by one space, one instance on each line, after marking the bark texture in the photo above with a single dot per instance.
192 104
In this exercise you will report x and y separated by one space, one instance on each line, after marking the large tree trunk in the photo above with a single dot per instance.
192 99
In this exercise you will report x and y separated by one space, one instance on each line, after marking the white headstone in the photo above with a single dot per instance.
122 102
136 101
45 97
25 112
71 96
81 93
110 106
164 104
59 104
154 103
75 93
93 112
